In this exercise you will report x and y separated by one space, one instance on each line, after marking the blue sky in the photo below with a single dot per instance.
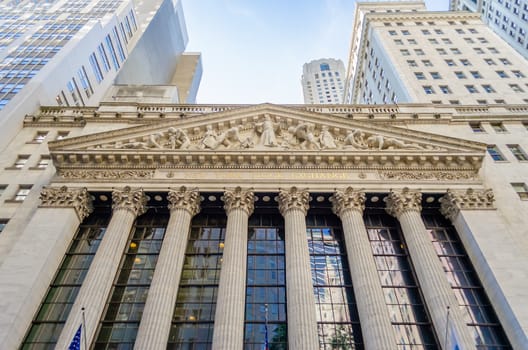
253 50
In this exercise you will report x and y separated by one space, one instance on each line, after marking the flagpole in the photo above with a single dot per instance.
446 328
84 326
266 340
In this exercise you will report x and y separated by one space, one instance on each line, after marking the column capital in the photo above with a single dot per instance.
239 198
349 199
399 202
454 201
129 199
64 197
293 198
185 199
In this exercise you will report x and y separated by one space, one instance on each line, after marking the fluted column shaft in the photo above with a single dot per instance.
127 204
230 304
154 329
377 329
406 207
302 320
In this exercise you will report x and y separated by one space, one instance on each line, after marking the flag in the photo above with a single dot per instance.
453 339
76 341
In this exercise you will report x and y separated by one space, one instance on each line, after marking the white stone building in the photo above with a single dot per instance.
401 53
70 52
507 18
323 81
204 225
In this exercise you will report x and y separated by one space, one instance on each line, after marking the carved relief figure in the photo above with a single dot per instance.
356 139
303 135
267 130
229 136
209 139
380 142
178 138
327 139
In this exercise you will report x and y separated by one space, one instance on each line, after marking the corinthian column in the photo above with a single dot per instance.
302 320
406 206
377 329
127 205
155 323
26 272
230 305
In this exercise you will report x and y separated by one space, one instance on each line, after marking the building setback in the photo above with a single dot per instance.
509 19
401 53
322 81
68 53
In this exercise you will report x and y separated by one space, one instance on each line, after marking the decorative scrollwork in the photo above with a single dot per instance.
185 199
129 199
399 202
454 201
240 199
64 197
292 199
349 199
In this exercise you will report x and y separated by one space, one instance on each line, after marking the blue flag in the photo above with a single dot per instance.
76 341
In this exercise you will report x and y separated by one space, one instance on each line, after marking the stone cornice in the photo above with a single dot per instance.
239 199
349 199
399 202
134 201
182 198
455 201
294 199
64 197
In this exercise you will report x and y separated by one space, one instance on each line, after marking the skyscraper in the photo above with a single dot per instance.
509 19
401 53
322 81
68 53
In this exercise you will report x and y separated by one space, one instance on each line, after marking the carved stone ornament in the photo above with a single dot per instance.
349 199
240 199
185 199
265 132
106 174
399 202
129 199
63 197
454 201
428 175
293 198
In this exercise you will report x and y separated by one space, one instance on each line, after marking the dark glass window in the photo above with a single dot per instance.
337 315
120 322
193 320
55 308
462 277
266 283
402 294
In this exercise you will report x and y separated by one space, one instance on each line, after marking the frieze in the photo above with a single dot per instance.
106 174
455 175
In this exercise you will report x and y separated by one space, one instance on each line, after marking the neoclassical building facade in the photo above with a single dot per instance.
237 227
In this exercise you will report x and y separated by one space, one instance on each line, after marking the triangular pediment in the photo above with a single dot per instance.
265 136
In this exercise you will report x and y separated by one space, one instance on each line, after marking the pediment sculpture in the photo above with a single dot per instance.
269 133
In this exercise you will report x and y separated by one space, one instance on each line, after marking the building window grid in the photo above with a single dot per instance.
408 312
495 153
56 305
266 282
478 311
127 299
521 189
193 319
21 161
3 223
499 127
22 193
337 315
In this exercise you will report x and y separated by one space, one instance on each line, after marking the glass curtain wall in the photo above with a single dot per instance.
337 315
55 308
118 328
193 321
472 298
402 293
265 283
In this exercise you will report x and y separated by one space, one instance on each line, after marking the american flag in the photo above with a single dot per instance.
76 341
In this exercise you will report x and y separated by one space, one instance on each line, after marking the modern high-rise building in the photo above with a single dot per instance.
401 53
68 53
323 81
509 19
